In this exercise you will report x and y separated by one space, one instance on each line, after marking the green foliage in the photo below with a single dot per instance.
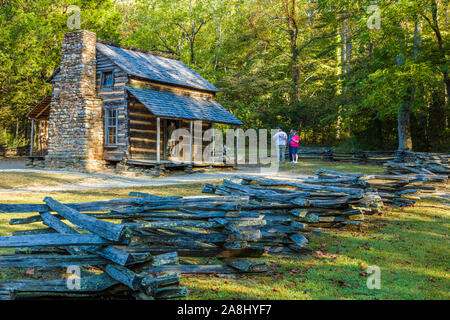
30 46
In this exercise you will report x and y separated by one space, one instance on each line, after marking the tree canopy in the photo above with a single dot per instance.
356 74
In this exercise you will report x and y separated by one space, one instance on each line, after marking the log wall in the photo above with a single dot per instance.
114 97
142 132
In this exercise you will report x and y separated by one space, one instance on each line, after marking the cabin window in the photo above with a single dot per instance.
107 79
111 123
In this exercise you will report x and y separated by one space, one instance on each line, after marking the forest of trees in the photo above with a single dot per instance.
370 75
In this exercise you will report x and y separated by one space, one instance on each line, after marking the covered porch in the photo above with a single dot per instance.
171 130
39 116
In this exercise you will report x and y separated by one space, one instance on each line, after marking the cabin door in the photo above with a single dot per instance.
168 126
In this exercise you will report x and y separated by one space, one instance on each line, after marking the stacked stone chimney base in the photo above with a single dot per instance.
76 135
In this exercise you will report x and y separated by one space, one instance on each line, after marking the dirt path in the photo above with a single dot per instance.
112 181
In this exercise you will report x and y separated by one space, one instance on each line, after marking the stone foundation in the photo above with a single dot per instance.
74 164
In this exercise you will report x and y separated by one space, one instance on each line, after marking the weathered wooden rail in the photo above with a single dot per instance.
431 162
407 162
330 199
152 232
295 209
131 241
356 156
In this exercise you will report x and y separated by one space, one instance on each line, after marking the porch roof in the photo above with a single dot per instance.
164 104
41 111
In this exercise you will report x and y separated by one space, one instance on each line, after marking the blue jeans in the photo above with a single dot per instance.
281 153
293 151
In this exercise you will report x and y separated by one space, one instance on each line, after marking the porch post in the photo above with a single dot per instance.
213 143
237 147
32 138
191 137
158 140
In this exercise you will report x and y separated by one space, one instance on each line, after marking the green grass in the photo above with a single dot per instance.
409 245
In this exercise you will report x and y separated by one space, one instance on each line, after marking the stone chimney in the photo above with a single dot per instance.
75 132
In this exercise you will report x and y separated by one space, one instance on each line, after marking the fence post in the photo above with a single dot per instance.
400 156
328 154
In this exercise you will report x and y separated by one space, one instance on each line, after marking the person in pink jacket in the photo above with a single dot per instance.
295 140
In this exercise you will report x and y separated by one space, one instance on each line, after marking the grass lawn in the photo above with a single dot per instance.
410 246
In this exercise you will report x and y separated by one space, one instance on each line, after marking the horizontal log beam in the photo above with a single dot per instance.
52 240
107 230
50 260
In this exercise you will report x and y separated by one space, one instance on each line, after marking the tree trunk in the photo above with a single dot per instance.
290 13
192 36
345 56
404 126
404 113
438 34
17 130
192 51
295 79
346 47
219 46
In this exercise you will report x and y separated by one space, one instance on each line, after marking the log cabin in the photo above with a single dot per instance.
113 104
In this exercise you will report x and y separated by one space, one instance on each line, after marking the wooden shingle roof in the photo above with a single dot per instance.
165 104
156 68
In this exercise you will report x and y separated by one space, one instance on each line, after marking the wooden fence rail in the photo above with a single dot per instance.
357 156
